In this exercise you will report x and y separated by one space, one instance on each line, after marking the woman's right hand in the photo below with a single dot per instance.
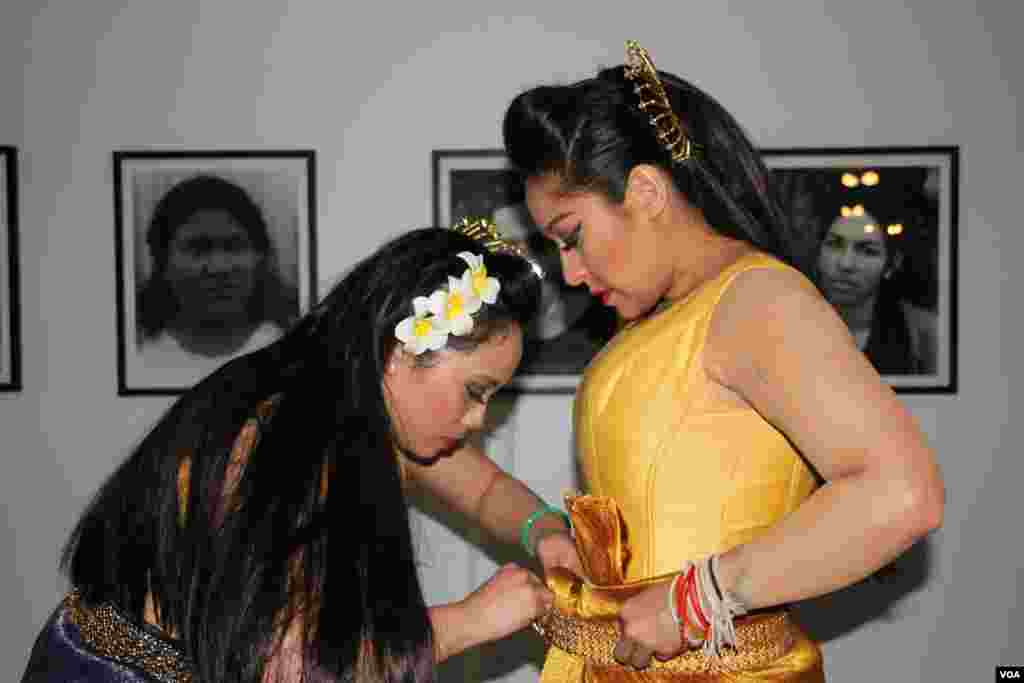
556 548
506 603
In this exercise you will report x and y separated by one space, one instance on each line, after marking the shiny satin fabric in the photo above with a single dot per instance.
692 471
675 470
582 626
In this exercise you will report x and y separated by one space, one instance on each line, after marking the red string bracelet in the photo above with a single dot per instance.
695 602
681 606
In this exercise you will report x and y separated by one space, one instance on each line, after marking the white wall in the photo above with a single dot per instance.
374 91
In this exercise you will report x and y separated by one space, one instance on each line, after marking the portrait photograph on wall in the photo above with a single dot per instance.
216 257
10 318
571 325
881 243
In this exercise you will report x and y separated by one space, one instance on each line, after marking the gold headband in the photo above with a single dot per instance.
485 231
654 102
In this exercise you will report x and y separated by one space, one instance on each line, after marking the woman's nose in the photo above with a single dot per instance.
218 260
573 271
473 420
847 259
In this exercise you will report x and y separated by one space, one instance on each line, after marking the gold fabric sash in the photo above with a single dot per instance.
583 622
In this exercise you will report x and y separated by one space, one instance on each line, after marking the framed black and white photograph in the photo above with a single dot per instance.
881 234
10 299
216 257
571 325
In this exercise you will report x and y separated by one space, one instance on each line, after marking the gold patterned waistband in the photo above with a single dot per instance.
111 635
760 640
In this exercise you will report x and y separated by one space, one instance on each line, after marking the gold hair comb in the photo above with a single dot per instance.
654 102
485 231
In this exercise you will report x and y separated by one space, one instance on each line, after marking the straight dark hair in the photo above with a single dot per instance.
591 134
318 522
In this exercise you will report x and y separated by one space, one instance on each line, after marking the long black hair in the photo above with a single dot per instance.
222 580
591 134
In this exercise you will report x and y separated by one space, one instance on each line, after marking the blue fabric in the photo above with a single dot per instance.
59 655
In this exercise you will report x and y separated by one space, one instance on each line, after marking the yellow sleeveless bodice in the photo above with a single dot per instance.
689 474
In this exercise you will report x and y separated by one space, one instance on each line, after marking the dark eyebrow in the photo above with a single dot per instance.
551 223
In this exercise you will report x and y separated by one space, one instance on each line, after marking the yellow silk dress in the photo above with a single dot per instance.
673 475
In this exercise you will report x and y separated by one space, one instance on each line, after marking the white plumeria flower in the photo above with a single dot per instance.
422 331
476 279
456 306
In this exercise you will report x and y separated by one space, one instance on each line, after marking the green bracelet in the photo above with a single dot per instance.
524 531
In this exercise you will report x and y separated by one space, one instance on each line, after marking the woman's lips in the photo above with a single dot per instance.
450 442
844 285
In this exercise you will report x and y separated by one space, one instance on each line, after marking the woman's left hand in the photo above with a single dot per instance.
647 629
558 549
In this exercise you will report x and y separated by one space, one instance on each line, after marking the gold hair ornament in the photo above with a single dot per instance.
485 231
450 308
654 102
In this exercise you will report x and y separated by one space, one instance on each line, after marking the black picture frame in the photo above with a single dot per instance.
572 326
913 191
262 272
10 277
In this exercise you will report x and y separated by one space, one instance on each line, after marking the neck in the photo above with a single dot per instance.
699 251
218 339
859 316
715 255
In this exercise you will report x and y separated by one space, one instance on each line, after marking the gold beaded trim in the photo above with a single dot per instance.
110 634
760 640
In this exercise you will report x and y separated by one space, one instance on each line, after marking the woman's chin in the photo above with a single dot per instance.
424 456
419 457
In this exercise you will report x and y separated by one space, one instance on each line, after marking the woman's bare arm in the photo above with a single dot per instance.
470 483
782 349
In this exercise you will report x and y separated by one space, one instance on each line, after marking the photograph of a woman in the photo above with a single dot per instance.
879 231
219 266
857 262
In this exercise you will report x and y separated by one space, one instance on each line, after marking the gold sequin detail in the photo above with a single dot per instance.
107 633
760 640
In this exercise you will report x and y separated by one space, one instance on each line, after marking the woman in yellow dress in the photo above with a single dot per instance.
739 452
